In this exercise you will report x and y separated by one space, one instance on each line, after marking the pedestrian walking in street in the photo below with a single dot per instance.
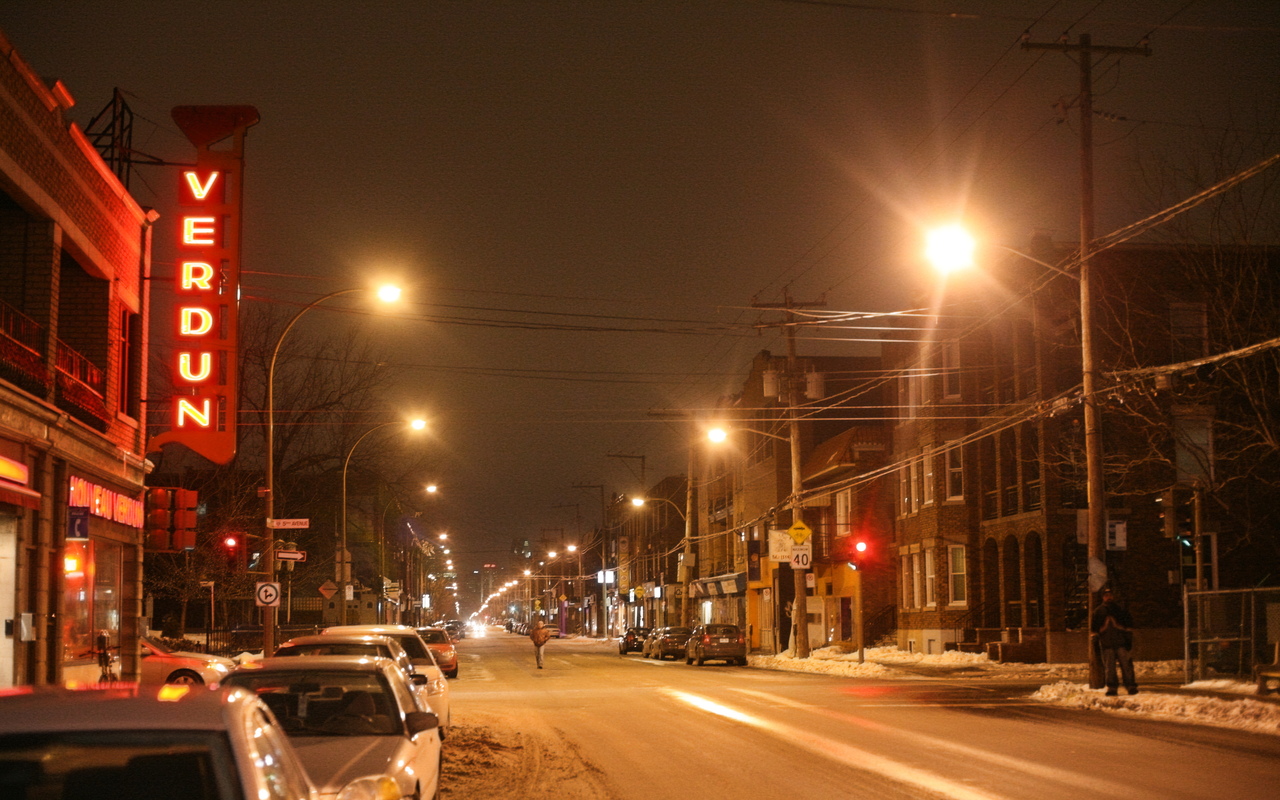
1114 628
539 637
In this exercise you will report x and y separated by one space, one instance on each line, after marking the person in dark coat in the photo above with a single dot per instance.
1114 628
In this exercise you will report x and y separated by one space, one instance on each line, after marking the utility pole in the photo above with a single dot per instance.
1096 492
800 605
602 610
687 561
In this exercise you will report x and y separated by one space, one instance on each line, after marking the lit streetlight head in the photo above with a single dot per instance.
950 248
637 501
418 424
573 548
388 293
432 488
717 435
551 554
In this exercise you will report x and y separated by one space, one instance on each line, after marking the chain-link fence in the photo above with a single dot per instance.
1229 631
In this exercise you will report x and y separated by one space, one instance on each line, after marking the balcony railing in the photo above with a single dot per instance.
19 327
74 365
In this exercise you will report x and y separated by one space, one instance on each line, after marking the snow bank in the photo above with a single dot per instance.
1242 714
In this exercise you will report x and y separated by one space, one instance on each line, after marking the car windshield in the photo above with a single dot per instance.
150 763
325 702
722 630
342 649
679 631
434 635
413 645
159 646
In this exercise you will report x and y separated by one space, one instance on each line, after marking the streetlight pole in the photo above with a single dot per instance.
342 563
386 294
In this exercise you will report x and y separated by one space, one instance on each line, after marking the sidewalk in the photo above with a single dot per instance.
1221 703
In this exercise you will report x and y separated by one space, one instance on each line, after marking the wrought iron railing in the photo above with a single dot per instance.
74 365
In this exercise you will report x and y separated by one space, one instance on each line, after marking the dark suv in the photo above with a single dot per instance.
716 642
632 640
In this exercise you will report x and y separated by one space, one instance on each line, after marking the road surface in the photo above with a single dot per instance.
595 724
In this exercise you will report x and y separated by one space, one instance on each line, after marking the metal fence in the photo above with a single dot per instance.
1229 631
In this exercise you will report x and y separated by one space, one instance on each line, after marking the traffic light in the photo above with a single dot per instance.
859 554
159 519
184 518
171 519
1179 515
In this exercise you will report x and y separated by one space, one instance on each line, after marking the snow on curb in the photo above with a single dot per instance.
1242 714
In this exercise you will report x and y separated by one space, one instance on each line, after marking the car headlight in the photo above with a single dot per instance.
218 666
370 787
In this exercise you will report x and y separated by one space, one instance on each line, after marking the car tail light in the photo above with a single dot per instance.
742 638
706 638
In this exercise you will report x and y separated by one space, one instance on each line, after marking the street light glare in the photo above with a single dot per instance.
717 435
418 424
637 501
388 293
432 488
950 248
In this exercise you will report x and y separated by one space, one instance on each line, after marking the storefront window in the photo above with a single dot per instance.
91 600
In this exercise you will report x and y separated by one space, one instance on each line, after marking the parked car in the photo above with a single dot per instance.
632 640
140 741
347 644
440 644
424 663
716 642
664 642
348 716
162 665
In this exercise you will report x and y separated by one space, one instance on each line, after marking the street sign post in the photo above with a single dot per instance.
802 555
280 524
267 593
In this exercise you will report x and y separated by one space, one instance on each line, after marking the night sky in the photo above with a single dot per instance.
585 197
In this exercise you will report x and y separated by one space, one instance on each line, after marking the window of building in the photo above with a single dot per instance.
913 491
955 471
904 491
917 581
844 513
950 368
1188 331
958 574
928 489
91 604
930 585
905 582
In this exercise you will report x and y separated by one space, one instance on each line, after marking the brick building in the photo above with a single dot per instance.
74 256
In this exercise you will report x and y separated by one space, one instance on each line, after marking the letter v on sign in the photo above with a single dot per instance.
200 191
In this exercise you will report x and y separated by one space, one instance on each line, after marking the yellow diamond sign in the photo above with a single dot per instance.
800 532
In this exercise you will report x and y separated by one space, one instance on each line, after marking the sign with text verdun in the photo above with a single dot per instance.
207 282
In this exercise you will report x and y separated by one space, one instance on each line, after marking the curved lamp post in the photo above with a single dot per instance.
341 562
388 294
952 248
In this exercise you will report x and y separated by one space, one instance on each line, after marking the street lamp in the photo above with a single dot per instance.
341 561
387 294
1095 490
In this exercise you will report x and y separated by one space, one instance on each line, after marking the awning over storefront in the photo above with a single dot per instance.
19 495
720 586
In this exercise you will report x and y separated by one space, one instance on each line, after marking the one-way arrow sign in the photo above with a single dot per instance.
291 555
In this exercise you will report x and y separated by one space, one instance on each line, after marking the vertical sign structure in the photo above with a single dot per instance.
207 283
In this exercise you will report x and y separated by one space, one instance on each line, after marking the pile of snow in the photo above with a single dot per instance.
1242 714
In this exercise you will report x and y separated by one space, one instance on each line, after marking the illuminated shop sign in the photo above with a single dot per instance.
106 503
207 283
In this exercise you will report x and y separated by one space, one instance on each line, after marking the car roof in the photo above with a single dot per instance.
127 707
348 638
317 664
383 629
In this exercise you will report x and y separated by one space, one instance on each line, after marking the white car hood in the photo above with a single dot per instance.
334 761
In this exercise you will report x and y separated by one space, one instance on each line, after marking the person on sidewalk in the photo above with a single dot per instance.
539 637
1114 628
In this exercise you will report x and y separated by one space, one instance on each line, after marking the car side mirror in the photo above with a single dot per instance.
419 721
419 679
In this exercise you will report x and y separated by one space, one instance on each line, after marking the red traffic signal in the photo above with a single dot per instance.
858 554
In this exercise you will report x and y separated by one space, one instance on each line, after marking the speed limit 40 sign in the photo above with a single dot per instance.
802 555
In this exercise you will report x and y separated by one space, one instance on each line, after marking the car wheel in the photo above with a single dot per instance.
453 674
699 661
688 660
185 677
